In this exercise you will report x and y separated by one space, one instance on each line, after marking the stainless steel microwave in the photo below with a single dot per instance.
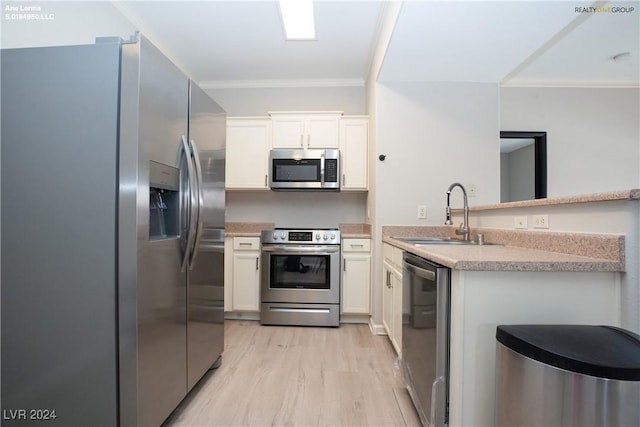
304 170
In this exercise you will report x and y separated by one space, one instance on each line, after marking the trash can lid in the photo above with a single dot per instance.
600 351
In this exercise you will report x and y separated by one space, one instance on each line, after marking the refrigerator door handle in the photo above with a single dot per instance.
199 197
184 151
437 402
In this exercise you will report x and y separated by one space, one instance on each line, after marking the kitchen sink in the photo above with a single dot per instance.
426 241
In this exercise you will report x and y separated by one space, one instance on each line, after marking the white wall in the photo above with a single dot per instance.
616 217
259 101
433 134
71 22
520 167
295 209
593 134
593 145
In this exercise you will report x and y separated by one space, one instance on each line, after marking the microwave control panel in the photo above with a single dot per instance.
331 170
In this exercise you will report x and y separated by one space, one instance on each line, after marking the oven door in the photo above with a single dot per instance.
300 274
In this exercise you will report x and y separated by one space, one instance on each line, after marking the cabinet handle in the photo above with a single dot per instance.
344 265
266 180
302 140
360 245
246 244
343 180
309 141
257 260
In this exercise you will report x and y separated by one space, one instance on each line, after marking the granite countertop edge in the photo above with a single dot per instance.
507 258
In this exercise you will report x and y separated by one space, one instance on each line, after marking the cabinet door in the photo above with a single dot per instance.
246 281
354 148
356 279
323 131
289 132
248 145
387 298
302 131
396 323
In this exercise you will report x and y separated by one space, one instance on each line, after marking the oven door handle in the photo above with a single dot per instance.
302 249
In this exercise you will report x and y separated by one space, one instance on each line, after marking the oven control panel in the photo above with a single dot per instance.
329 236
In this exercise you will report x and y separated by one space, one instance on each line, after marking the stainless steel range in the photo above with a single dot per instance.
300 282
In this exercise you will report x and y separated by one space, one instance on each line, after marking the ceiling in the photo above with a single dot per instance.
241 43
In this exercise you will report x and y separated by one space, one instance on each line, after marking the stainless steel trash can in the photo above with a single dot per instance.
567 375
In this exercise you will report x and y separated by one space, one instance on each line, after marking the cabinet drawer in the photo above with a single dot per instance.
393 255
246 243
356 245
397 257
387 252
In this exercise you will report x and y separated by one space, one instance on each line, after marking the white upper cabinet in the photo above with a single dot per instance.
250 139
354 149
306 130
248 145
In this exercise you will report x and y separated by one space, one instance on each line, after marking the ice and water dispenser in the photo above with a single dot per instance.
164 201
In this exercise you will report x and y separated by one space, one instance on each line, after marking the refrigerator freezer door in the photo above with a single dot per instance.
152 288
59 193
207 133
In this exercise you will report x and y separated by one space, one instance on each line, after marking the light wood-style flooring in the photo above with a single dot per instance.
300 376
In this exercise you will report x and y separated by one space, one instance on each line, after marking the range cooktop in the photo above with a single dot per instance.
312 236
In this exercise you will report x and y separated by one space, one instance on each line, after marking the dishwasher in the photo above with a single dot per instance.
425 337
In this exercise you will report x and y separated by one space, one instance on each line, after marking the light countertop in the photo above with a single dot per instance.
506 258
518 251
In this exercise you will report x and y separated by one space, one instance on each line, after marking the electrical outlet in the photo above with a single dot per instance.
472 190
520 222
422 212
541 221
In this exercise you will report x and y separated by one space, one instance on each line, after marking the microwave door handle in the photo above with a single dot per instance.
322 170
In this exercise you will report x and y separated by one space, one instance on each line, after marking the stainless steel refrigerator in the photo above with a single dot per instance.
112 228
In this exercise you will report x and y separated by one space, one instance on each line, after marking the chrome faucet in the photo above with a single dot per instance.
463 230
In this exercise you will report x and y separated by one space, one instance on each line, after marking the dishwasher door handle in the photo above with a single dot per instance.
420 272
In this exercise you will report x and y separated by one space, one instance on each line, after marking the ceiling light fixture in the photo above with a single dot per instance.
298 20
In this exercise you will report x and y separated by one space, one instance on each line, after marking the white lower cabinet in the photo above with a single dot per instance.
392 295
482 300
245 274
356 276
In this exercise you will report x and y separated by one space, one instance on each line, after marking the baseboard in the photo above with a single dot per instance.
242 315
354 318
377 329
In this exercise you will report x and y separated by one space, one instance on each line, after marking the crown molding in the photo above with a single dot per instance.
630 84
275 83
